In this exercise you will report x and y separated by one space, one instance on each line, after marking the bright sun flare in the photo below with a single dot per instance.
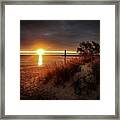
40 51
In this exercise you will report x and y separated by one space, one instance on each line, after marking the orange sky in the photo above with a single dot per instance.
57 34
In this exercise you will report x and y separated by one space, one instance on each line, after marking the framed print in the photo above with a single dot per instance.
60 59
59 69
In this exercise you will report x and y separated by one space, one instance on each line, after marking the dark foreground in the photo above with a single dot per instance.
78 79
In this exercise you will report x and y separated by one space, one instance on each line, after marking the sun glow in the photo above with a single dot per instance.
40 52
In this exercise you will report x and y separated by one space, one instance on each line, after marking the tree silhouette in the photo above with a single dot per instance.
88 48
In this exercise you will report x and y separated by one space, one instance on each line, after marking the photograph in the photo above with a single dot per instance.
59 59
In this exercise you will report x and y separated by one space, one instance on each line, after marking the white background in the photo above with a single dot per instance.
15 13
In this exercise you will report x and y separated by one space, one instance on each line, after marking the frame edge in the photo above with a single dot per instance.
2 60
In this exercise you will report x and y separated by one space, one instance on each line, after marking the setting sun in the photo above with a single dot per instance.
40 51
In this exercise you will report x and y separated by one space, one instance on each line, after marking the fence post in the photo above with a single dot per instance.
65 57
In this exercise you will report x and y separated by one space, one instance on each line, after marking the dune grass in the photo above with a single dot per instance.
78 79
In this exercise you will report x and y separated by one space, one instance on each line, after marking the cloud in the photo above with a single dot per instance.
57 33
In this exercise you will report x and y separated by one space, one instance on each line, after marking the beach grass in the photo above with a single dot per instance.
77 79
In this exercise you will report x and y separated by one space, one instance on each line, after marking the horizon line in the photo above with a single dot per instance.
46 52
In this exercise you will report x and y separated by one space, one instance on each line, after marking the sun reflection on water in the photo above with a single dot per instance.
40 52
40 60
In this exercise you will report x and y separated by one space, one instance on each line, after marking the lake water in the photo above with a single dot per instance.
32 60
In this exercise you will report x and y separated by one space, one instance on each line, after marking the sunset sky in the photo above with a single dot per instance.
57 34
